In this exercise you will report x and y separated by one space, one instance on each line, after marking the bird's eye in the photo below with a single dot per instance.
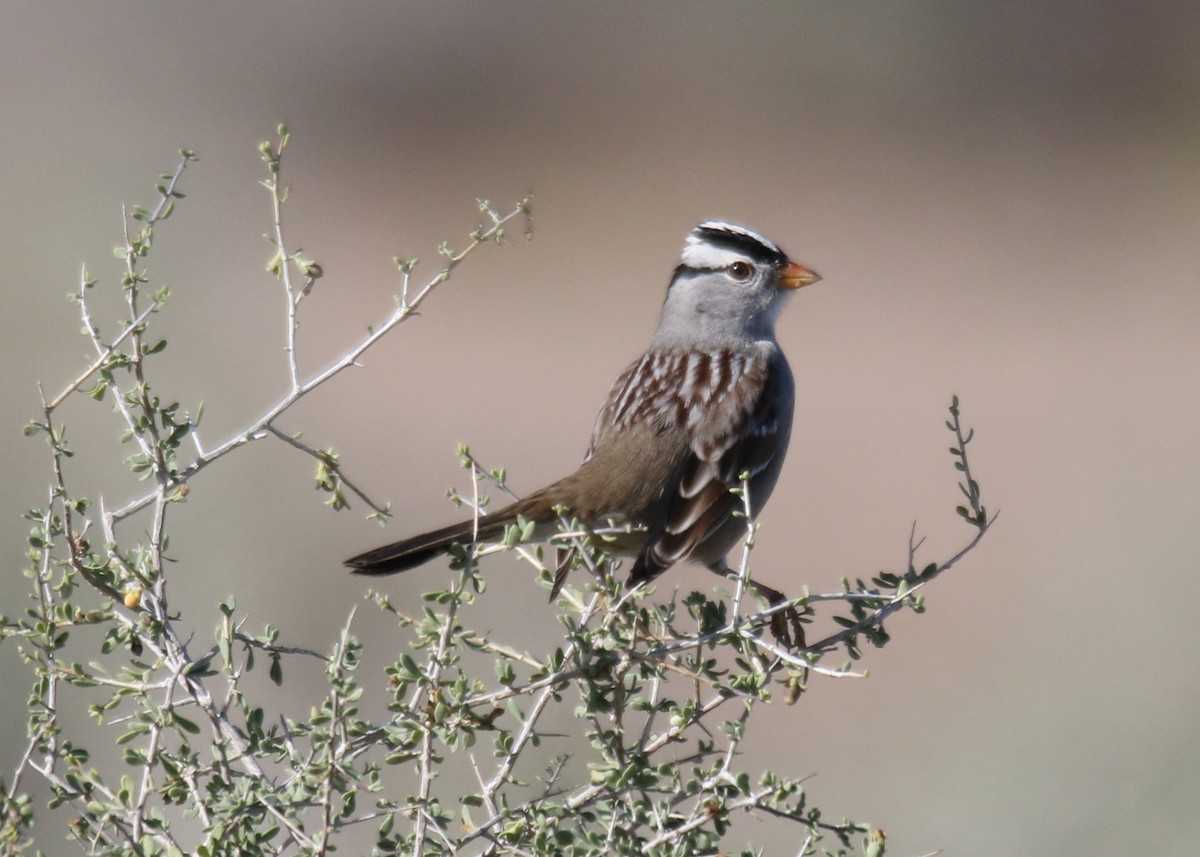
741 271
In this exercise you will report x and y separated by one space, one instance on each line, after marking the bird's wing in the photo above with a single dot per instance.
741 428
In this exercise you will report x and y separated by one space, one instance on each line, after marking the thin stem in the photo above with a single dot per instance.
106 350
896 602
324 459
283 259
259 428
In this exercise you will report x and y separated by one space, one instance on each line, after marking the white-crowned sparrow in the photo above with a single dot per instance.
710 399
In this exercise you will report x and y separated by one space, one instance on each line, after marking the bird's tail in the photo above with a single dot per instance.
411 552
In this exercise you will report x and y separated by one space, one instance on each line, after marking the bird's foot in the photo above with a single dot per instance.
786 626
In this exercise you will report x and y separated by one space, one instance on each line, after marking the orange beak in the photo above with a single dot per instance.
796 275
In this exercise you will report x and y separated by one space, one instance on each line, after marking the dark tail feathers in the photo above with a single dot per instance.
411 552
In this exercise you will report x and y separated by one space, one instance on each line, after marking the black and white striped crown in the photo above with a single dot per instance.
716 244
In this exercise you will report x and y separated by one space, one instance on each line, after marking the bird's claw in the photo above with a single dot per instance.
786 627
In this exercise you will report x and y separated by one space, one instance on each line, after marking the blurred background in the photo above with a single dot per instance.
1003 198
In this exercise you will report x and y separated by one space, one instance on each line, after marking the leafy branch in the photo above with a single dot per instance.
468 755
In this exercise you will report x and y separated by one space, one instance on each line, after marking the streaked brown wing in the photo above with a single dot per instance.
742 435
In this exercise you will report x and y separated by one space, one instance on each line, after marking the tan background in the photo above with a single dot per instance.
1004 200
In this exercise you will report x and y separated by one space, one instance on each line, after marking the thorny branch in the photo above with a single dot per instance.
149 626
663 772
406 308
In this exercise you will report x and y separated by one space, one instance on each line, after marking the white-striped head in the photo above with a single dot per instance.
728 288
715 244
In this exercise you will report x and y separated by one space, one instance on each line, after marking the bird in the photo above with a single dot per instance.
710 400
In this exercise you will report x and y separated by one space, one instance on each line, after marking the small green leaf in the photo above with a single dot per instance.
185 725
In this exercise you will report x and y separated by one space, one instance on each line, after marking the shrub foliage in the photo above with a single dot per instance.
468 756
